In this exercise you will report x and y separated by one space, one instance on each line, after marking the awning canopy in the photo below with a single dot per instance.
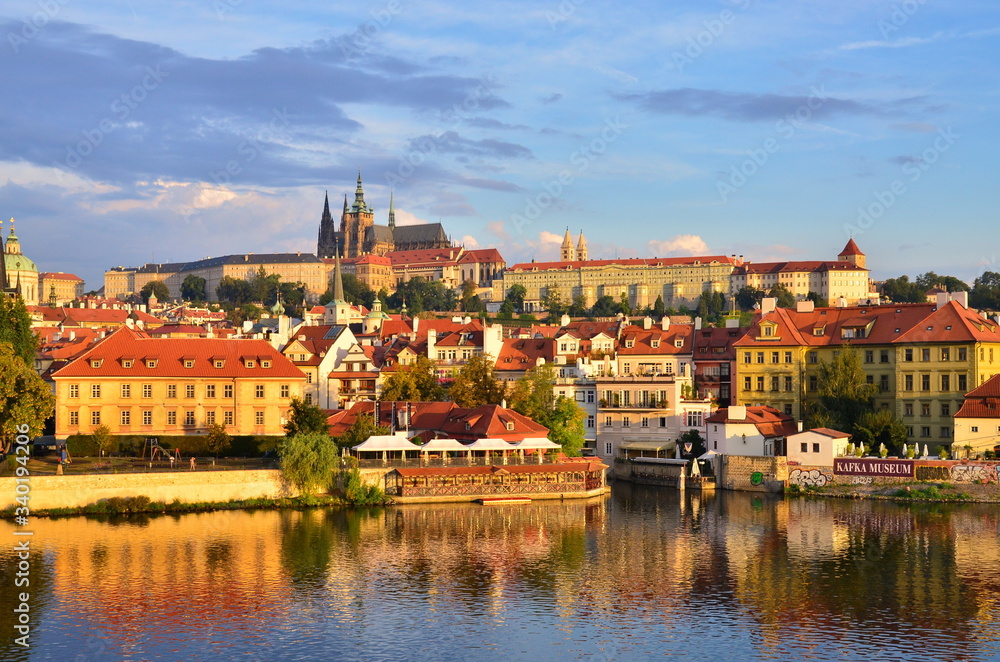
539 443
490 444
444 445
648 445
388 442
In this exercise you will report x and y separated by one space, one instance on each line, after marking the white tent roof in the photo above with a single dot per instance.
388 442
444 445
537 443
489 444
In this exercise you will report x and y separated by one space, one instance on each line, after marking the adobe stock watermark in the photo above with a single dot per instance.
885 198
900 16
32 25
581 158
698 43
121 109
223 7
250 148
565 9
360 41
454 116
786 127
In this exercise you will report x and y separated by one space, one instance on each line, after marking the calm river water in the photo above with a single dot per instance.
642 574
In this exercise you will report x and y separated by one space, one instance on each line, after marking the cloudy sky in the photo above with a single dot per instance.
133 132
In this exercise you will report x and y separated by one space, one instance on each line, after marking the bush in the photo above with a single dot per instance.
308 461
357 493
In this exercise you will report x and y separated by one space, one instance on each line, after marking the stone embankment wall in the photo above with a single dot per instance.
187 487
751 474
953 471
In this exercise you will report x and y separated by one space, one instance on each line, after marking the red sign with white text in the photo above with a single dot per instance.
864 466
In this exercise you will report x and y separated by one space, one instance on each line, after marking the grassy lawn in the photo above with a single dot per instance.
48 465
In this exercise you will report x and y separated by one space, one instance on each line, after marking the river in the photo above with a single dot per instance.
642 574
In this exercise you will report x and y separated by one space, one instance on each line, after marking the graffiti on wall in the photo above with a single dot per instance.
973 473
809 478
862 480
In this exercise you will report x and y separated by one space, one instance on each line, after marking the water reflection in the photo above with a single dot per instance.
639 575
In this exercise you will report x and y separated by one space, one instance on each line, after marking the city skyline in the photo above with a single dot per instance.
142 134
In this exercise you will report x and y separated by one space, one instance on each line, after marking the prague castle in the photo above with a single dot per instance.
359 235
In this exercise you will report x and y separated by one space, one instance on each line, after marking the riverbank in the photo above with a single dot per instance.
922 491
141 505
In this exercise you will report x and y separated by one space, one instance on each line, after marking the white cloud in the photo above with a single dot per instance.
470 242
404 217
682 244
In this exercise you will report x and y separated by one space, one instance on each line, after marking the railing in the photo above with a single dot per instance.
638 405
489 490
410 463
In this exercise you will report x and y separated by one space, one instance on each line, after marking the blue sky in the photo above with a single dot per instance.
133 132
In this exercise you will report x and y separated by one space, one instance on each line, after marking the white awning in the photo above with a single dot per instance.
388 442
489 444
539 443
648 445
443 445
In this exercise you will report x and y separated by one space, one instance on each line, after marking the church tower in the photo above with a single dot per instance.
355 221
392 213
327 241
581 248
852 253
568 253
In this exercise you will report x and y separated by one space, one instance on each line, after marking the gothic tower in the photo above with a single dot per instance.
567 252
327 241
355 221
581 248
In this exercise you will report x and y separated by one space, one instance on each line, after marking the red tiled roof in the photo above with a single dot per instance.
769 421
169 352
523 354
58 275
642 340
850 249
888 324
482 256
828 432
813 266
587 330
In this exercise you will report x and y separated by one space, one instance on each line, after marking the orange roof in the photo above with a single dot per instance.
587 330
425 256
374 259
769 421
58 275
170 354
642 340
813 266
952 323
523 354
850 249
631 262
829 432
482 255
982 401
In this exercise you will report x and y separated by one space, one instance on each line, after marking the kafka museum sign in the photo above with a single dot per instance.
848 466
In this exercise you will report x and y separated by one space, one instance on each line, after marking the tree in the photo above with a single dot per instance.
711 306
356 291
985 292
844 395
264 286
414 383
105 441
516 295
476 383
748 297
362 428
697 444
552 302
218 439
817 300
506 310
193 288
15 329
880 426
306 418
233 290
785 299
605 306
308 461
579 306
155 288
534 396
624 307
247 311
930 279
901 290
658 308
25 399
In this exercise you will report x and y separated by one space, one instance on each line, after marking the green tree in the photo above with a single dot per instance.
659 310
233 290
264 287
105 441
817 300
605 306
534 396
308 461
414 383
306 418
552 302
193 288
748 297
362 428
506 310
844 395
248 311
880 426
901 290
476 383
785 299
516 295
697 444
155 288
985 292
218 440
15 329
25 400
579 306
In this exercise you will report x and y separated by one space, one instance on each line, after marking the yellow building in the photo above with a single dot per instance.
977 422
138 385
22 274
922 358
59 288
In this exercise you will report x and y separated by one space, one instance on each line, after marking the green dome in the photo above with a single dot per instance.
18 262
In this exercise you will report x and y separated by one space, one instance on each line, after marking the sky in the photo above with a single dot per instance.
164 132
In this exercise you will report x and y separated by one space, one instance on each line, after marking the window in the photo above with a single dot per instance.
309 398
258 391
227 418
788 410
760 357
95 391
189 418
258 418
815 448
907 382
945 353
813 383
946 409
590 397
219 363
746 357
210 390
663 421
812 357
883 356
249 363
266 363
171 390
151 363
963 354
925 354
626 421
626 369
74 390
975 428
774 357
147 417
126 363
945 431
189 391
925 409
788 384
309 378
74 418
695 418
869 356
590 422
209 418
883 383
909 430
510 426
925 382
908 409
284 391
607 448
645 422
747 381
126 417
607 421
760 383
775 381
963 383
147 390
95 417
171 418
788 357
925 431
227 390
188 363
908 355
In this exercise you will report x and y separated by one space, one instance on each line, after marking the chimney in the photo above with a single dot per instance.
962 298
697 324
800 426
806 306
665 323
767 305
647 323
942 299
564 320
841 302
737 413
431 339
415 323
130 323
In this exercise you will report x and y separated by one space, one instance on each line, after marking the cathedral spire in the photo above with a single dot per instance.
392 213
567 252
326 205
359 196
338 279
581 248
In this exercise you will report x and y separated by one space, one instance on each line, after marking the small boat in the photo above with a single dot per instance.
496 501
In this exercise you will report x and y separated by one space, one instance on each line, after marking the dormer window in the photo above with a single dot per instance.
150 363
219 363
510 426
266 363
655 343
468 427
678 343
250 363
629 343
188 363
96 363
126 363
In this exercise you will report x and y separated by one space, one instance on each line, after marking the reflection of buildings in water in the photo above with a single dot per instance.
813 532
977 559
